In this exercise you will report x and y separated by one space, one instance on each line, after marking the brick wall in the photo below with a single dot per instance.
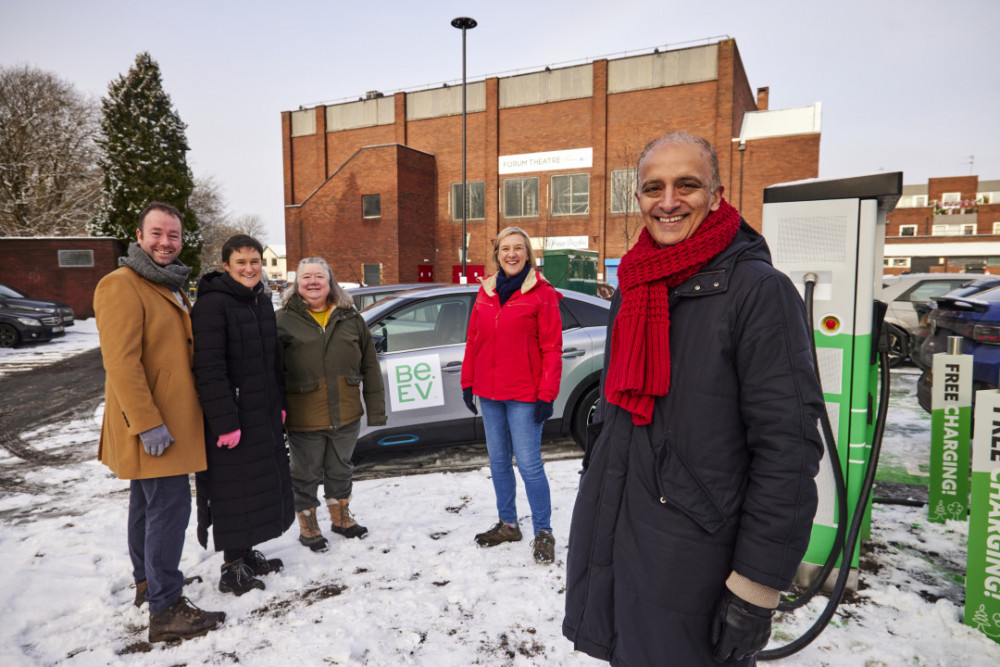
32 266
615 127
766 162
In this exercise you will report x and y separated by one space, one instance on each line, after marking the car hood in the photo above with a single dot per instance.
33 306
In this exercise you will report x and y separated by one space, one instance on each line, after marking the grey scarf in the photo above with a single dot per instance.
173 275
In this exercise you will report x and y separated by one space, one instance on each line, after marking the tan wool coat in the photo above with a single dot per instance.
146 344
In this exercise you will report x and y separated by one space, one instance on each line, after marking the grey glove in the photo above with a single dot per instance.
156 440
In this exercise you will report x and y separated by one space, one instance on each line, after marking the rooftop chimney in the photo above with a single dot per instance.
762 98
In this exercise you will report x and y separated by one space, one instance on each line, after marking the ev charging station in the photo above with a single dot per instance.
831 233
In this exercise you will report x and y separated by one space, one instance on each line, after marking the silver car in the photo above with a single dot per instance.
420 338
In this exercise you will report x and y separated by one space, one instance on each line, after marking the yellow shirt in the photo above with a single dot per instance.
322 318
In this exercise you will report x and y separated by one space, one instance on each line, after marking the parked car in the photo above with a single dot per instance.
25 320
918 335
904 294
974 318
420 339
366 295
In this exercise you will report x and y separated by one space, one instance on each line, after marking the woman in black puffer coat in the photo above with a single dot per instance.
246 492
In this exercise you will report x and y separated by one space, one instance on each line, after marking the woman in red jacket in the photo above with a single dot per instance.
513 362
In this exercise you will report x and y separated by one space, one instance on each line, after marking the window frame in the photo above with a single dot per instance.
453 200
520 180
619 192
912 228
365 199
553 194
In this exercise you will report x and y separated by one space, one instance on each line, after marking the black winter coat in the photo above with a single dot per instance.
720 480
246 492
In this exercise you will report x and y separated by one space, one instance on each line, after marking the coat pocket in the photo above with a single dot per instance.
680 487
350 398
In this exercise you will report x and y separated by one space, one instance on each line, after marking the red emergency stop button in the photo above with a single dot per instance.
830 324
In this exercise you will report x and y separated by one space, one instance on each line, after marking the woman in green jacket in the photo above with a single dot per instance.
329 365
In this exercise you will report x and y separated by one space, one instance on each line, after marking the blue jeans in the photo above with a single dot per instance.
511 432
158 513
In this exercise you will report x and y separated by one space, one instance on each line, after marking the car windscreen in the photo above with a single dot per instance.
10 293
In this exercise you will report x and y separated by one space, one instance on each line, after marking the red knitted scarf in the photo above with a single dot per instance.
639 369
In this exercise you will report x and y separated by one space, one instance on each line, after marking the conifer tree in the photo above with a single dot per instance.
145 157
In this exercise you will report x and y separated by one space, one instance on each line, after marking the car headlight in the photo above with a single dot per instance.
29 322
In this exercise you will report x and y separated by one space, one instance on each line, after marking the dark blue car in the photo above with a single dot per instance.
976 319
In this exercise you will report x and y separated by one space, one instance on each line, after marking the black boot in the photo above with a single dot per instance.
260 566
237 578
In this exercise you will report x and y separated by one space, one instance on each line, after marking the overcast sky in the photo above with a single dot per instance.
906 85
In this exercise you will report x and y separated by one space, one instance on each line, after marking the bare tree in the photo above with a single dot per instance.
623 185
209 206
250 224
49 180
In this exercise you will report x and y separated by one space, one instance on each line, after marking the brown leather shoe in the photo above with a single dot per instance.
182 620
499 534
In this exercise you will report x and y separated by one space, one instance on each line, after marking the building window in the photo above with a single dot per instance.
996 227
571 194
520 197
907 230
371 206
951 197
985 197
274 261
896 262
919 201
76 258
623 182
967 229
477 200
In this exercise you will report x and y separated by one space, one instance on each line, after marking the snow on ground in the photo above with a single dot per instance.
417 591
80 337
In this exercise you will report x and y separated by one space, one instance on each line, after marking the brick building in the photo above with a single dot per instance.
63 269
374 185
949 225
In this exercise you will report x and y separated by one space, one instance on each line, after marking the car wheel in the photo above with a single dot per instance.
583 414
9 337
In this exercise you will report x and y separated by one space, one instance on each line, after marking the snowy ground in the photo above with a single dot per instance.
417 591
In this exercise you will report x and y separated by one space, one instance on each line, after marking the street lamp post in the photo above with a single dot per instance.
464 23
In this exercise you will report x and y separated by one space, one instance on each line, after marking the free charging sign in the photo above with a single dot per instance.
415 382
982 571
951 415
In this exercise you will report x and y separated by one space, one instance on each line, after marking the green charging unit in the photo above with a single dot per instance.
835 229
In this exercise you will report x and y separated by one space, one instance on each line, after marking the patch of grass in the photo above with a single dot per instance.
899 475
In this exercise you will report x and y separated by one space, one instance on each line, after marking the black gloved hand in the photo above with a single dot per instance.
543 410
739 628
156 440
469 403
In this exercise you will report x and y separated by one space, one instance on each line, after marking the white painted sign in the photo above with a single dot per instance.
576 158
415 382
560 243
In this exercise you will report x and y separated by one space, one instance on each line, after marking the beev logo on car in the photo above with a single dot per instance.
415 382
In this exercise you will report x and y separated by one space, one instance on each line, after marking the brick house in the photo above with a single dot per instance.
375 185
949 225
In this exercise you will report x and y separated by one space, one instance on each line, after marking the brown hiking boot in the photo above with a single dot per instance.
544 547
309 532
182 620
499 534
142 587
342 521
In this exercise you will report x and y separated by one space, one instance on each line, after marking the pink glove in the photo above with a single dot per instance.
283 413
229 440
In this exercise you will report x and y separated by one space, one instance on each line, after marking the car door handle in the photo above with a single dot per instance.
453 367
573 352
